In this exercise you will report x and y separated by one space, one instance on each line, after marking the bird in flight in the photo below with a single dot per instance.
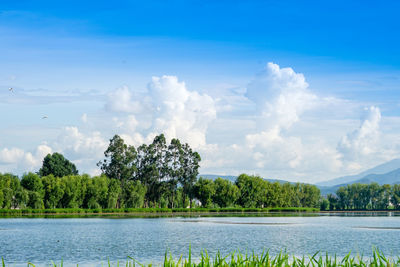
44 117
11 89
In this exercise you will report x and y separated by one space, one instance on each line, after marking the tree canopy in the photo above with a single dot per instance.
57 165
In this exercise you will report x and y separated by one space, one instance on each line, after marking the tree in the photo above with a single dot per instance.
152 168
53 191
120 160
311 196
175 168
396 196
57 165
119 163
97 193
226 193
33 184
134 194
324 204
204 191
74 190
333 201
252 191
190 169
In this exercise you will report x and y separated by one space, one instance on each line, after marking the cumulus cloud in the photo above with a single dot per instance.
276 127
79 146
364 140
83 149
281 96
121 100
171 108
20 160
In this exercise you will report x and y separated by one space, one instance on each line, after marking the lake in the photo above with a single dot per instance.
88 241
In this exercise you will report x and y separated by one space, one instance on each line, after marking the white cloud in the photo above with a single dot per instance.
277 127
121 100
281 96
170 107
16 159
84 118
78 146
11 155
363 141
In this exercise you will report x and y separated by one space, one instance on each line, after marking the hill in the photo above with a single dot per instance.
392 177
380 169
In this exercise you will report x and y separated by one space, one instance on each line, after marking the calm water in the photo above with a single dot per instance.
93 240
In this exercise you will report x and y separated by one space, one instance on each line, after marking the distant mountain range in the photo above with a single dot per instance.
380 169
386 173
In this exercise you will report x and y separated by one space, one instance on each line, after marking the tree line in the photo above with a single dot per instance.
363 197
84 191
155 175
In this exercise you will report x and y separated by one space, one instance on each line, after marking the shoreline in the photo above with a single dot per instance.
151 212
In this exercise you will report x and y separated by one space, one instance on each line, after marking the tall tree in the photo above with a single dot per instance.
190 169
152 167
175 170
120 160
57 165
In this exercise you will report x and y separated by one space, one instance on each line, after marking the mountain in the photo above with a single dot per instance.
392 177
380 169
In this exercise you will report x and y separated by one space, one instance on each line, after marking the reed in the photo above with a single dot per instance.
265 259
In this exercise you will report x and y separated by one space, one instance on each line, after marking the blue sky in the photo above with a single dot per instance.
85 64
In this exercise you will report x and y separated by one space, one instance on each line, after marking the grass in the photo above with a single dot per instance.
152 210
237 259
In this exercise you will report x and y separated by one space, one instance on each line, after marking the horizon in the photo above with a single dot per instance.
285 90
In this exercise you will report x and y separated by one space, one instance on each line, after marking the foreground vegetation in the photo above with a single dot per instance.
237 259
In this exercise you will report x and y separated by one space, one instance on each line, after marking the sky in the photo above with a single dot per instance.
295 90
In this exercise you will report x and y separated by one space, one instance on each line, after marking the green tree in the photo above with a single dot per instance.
75 187
190 170
114 190
253 191
204 191
226 193
57 165
175 168
395 199
53 191
120 160
324 204
119 163
311 196
153 168
33 184
134 194
9 185
97 193
333 202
